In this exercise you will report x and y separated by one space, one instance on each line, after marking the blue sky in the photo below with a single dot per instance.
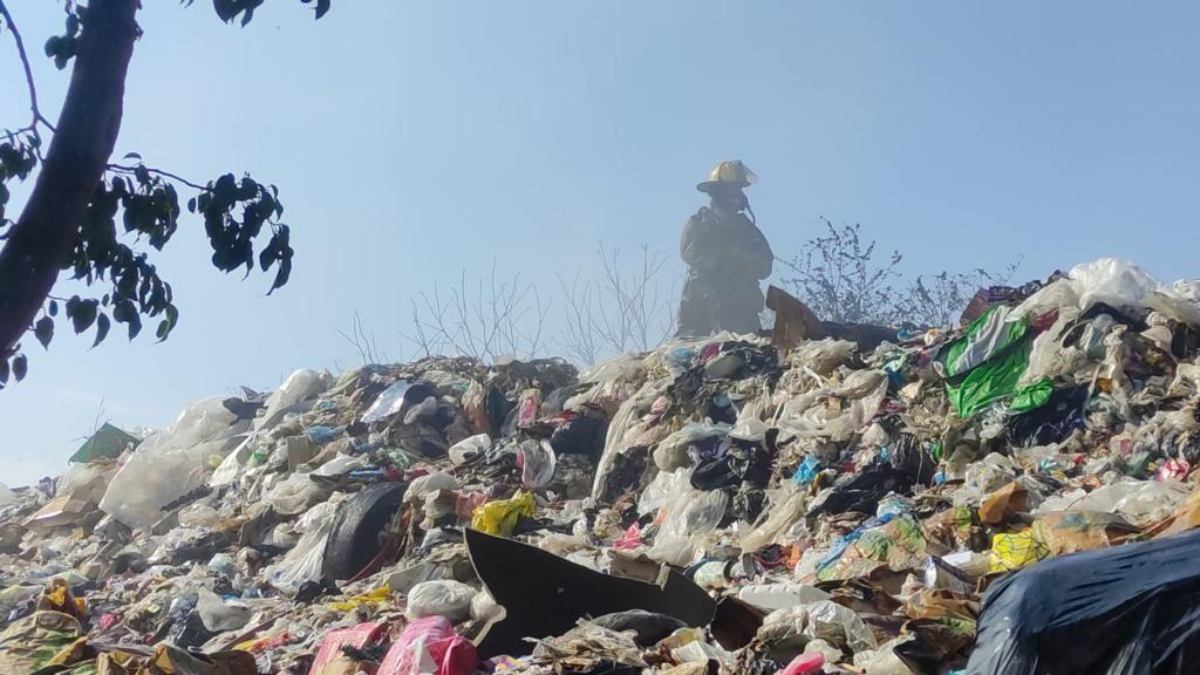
411 140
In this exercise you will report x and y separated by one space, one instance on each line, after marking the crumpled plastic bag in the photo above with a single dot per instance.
218 615
470 448
303 563
883 661
429 484
834 412
500 517
787 507
538 463
443 597
1114 282
199 515
31 643
687 518
821 620
625 420
205 431
429 646
671 453
1014 551
822 356
295 494
375 597
299 387
1141 502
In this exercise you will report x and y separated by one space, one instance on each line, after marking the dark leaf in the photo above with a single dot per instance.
133 155
83 316
101 329
43 330
281 276
191 204
248 7
3 371
322 7
266 257
19 367
53 308
225 9
135 326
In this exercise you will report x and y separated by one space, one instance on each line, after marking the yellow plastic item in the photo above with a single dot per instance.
1014 551
57 597
500 517
729 171
378 596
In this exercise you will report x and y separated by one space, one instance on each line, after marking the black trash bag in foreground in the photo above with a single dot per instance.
1123 610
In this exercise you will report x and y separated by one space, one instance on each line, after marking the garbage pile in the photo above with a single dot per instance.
1017 495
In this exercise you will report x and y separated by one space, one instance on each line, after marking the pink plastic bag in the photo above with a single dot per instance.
630 540
358 637
430 645
1176 469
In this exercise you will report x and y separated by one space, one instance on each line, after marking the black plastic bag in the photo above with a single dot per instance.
1123 610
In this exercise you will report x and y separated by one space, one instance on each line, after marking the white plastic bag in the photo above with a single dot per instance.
822 356
198 515
170 464
444 597
1058 295
770 597
470 448
230 468
428 484
538 463
787 507
219 616
300 386
1141 502
821 620
883 661
1115 282
340 465
303 563
808 415
625 419
671 453
295 494
85 481
690 514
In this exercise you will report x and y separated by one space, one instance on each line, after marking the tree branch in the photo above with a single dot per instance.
166 174
33 102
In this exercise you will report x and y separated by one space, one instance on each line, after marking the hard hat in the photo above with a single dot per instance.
729 171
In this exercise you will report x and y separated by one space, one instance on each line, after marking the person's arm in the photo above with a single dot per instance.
748 251
700 247
761 256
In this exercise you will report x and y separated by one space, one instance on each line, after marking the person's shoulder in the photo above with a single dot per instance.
704 215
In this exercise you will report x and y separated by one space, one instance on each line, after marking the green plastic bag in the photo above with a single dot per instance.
1032 397
986 363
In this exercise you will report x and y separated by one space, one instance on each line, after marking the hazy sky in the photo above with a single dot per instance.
411 140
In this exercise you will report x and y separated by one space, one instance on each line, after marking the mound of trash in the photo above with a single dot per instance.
1017 495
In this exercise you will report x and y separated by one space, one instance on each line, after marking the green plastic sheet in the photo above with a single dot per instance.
108 442
986 363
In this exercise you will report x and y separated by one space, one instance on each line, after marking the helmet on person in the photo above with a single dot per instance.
731 171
